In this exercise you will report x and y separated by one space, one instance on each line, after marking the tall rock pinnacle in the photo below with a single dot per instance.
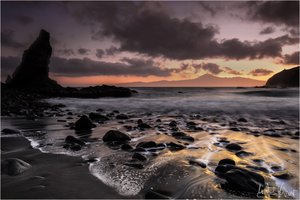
33 72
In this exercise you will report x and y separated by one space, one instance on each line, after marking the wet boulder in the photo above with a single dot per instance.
144 126
233 147
73 143
242 154
139 157
243 181
10 131
14 166
173 124
122 116
283 175
84 123
98 117
175 147
226 161
149 144
114 135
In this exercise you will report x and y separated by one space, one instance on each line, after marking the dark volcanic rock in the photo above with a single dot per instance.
70 139
173 124
285 78
175 147
122 116
14 166
114 135
283 175
243 154
73 143
243 181
149 144
144 125
84 123
139 157
226 161
32 73
10 131
233 147
97 116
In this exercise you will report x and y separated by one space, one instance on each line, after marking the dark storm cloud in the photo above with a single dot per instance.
292 58
231 71
87 67
152 31
208 8
212 68
111 51
209 67
260 72
66 52
83 51
267 30
100 53
277 12
23 20
8 40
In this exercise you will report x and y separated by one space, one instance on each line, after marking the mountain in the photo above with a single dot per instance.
285 78
206 80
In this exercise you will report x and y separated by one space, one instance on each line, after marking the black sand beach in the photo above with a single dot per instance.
52 176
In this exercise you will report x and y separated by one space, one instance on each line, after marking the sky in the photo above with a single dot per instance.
117 42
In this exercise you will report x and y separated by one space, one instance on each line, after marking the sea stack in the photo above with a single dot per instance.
33 72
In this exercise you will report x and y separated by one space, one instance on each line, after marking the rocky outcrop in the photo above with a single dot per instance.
285 78
33 72
32 75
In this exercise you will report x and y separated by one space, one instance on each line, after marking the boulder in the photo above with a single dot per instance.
173 124
226 161
97 117
114 135
243 181
72 140
14 166
233 147
283 175
84 123
149 144
122 116
139 157
143 126
73 143
10 131
175 147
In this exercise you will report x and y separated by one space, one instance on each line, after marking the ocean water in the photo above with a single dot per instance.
213 109
261 102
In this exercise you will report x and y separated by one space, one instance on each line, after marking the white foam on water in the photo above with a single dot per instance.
127 181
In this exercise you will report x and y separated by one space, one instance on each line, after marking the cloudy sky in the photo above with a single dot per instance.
117 42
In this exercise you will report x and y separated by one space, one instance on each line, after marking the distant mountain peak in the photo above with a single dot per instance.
206 80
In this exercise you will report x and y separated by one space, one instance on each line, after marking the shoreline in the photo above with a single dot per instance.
51 176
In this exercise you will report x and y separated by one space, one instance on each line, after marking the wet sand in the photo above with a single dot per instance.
51 176
187 172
